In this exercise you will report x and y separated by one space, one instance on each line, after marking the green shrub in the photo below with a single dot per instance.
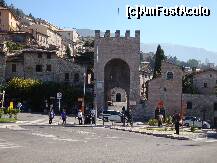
168 120
153 122
1 112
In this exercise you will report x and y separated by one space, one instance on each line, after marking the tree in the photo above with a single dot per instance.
193 63
159 57
3 3
68 52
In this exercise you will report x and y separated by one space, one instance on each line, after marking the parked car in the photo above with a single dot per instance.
190 121
111 115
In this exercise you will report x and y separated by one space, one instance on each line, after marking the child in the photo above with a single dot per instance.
63 116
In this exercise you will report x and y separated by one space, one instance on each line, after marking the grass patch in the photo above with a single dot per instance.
7 120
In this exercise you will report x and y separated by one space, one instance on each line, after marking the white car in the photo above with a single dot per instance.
111 115
194 121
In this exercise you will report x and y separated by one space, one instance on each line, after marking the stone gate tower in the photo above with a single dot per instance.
116 64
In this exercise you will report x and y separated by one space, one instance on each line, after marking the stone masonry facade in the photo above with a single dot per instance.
126 50
2 66
168 88
165 89
43 65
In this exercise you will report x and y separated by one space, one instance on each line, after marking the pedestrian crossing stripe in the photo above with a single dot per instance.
7 145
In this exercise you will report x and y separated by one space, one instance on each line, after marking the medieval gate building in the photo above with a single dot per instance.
116 66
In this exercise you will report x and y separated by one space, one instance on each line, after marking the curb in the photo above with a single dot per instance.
153 134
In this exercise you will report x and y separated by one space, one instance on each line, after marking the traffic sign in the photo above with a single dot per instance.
59 95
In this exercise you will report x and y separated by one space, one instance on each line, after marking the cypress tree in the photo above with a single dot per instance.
159 57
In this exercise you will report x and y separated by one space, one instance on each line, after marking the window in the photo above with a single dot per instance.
205 85
49 56
76 77
118 97
215 106
48 68
39 55
0 21
169 75
38 68
216 81
0 13
210 75
14 67
66 76
189 105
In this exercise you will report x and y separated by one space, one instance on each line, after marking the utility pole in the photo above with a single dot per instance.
3 98
84 89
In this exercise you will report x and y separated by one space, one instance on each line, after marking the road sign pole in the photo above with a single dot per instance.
59 104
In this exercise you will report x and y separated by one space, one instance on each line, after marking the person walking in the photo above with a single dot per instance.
123 115
177 119
93 116
51 116
63 116
80 117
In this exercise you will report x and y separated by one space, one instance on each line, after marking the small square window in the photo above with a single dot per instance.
49 56
48 69
14 67
39 55
205 85
215 106
38 68
76 78
66 76
189 105
169 75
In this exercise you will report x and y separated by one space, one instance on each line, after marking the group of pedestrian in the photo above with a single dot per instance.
90 117
52 114
160 116
126 116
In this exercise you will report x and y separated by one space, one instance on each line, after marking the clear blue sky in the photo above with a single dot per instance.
103 14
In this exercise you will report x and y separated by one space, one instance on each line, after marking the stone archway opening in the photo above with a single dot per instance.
118 97
116 84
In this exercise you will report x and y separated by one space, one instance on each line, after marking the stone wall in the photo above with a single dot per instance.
209 77
123 48
121 91
2 66
199 103
27 61
19 70
168 91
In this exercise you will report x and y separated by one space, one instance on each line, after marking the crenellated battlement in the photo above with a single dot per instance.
117 34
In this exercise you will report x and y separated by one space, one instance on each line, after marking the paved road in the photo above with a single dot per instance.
32 143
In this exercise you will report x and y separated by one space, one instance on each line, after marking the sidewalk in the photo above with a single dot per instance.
168 132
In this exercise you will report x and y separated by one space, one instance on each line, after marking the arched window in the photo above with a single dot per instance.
76 77
169 75
118 97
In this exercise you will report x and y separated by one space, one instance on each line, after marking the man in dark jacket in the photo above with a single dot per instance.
177 119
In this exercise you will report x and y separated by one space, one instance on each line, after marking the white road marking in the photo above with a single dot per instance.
7 145
53 137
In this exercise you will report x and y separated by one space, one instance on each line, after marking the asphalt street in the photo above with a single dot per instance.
39 143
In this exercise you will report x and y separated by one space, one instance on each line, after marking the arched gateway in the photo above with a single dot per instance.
116 66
